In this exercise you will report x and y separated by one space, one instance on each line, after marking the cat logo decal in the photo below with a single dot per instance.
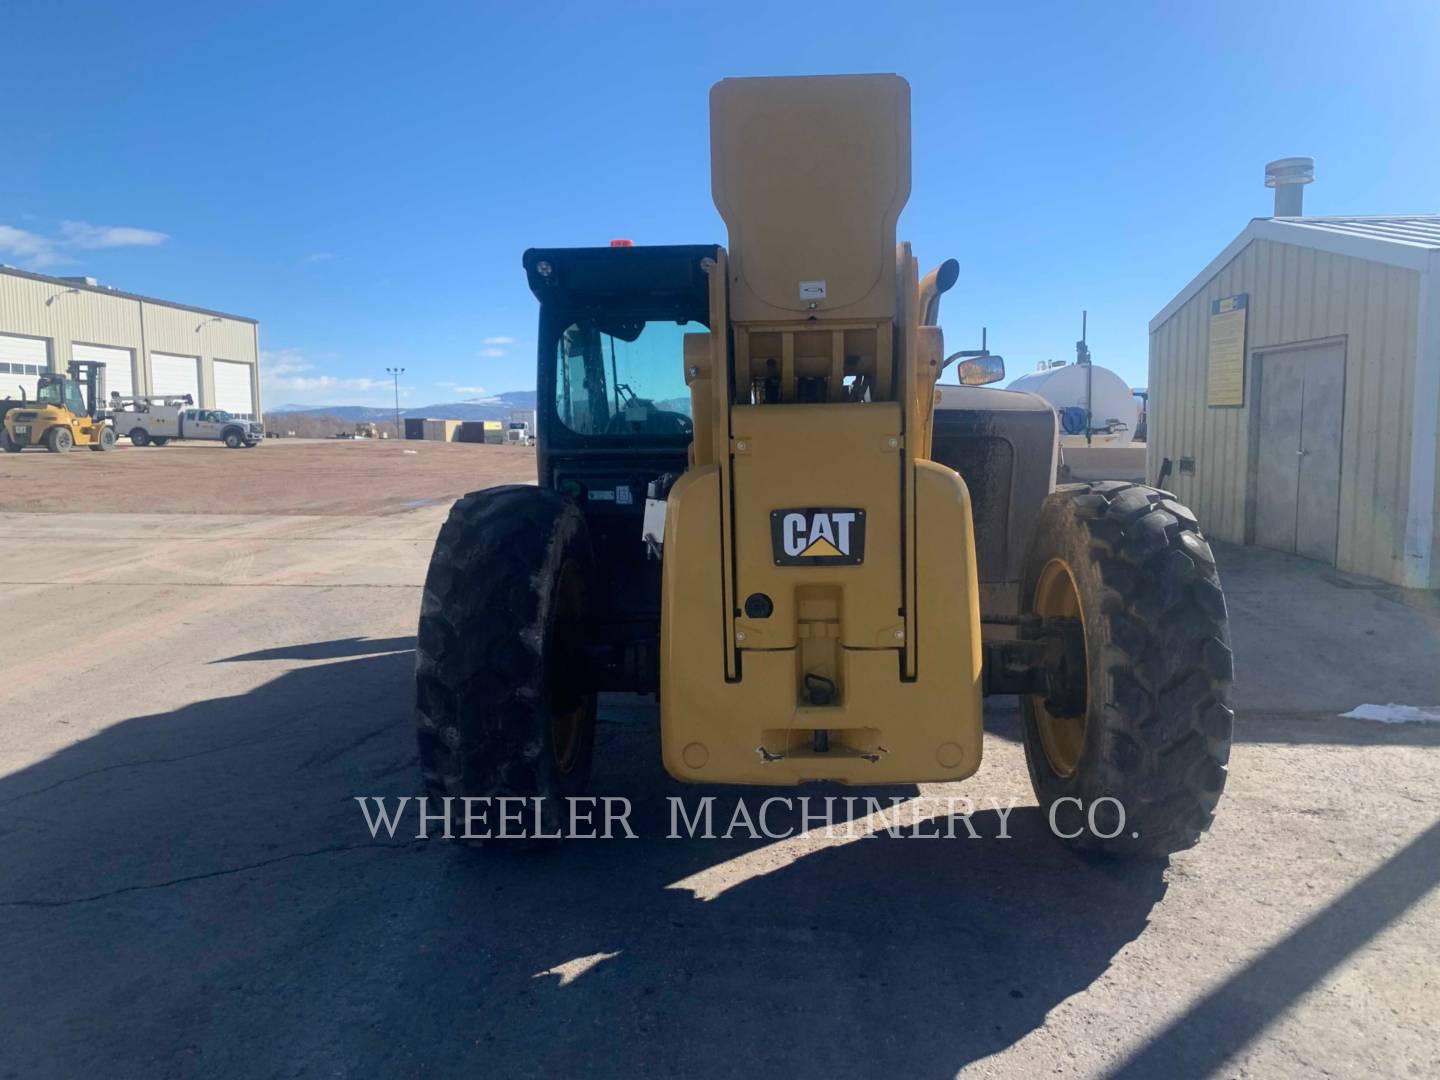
818 536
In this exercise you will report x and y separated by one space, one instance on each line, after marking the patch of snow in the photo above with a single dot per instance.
1395 714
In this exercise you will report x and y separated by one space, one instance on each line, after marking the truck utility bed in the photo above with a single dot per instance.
157 421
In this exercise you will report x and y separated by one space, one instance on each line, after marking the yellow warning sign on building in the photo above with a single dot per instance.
1225 381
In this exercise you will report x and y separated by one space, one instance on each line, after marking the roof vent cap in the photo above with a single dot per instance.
1288 176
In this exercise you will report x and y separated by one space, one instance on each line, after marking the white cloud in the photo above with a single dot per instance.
283 362
469 393
44 251
317 257
35 249
497 346
82 234
306 384
284 372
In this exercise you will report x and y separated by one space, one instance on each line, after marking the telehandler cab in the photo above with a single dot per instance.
67 412
832 528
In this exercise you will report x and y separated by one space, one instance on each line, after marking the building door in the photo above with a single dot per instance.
22 361
119 366
1302 403
175 375
233 390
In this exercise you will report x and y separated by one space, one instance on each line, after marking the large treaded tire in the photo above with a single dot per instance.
500 654
1158 721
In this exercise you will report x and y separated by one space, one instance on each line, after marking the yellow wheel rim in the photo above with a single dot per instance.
1062 737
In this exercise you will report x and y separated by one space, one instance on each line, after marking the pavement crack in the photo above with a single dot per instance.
332 849
328 756
311 762
261 737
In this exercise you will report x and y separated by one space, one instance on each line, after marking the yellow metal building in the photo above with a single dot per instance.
148 346
1294 386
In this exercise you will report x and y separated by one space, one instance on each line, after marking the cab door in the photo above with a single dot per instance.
198 425
80 422
74 399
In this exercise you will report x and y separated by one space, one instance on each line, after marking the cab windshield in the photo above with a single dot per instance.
62 393
623 377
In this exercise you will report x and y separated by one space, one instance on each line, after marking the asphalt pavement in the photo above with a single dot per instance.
190 704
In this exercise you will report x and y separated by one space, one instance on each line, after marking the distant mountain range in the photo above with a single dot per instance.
498 407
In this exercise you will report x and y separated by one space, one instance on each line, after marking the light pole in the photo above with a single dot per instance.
395 373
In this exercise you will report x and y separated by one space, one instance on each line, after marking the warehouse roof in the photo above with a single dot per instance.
89 285
1408 240
1419 230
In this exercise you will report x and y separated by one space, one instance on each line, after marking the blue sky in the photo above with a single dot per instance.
362 178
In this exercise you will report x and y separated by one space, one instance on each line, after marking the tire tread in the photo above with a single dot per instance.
480 705
1166 718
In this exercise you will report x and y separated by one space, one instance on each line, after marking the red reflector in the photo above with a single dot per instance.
622 243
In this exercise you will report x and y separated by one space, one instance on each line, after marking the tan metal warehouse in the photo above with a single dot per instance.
148 346
1294 386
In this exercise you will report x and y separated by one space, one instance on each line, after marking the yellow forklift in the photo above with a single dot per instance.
67 412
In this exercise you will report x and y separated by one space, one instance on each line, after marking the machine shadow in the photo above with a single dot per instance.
1201 1041
338 649
198 886
876 957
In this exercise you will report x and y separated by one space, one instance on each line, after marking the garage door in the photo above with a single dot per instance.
119 366
175 375
22 359
233 391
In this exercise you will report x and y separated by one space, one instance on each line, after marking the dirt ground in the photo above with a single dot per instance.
280 476
188 888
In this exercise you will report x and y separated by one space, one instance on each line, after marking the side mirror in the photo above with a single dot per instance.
981 370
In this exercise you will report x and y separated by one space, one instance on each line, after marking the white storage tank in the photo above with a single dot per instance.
1111 402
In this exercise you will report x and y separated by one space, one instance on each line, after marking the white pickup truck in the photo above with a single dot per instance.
154 421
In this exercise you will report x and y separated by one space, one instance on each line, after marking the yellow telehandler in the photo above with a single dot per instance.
755 500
